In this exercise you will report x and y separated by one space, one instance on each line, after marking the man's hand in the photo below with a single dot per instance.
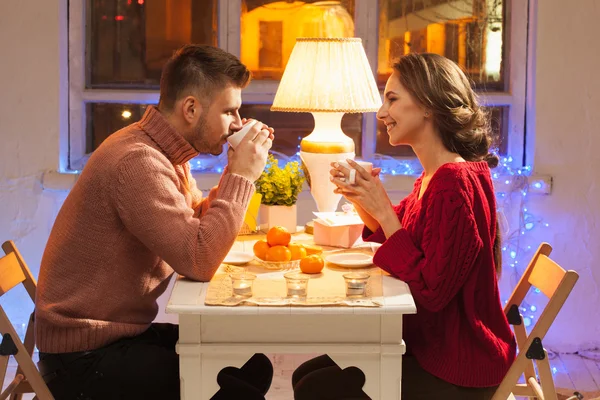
250 156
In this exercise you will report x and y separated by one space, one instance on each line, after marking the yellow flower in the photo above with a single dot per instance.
280 186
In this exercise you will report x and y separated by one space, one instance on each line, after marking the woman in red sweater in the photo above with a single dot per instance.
442 239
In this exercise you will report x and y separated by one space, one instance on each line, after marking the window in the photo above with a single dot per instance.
469 32
269 30
117 49
128 41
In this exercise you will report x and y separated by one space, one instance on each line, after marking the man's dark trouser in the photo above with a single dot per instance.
143 367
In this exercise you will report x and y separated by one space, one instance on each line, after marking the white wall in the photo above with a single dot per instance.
567 139
566 122
29 129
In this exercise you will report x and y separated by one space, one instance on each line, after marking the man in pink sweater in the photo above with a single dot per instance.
134 217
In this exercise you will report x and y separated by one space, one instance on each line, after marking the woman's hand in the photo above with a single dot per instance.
367 192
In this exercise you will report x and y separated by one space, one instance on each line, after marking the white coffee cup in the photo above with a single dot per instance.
235 138
368 166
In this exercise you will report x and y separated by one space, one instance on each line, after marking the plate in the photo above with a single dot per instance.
351 260
238 258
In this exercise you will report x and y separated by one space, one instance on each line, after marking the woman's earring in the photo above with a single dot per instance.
426 114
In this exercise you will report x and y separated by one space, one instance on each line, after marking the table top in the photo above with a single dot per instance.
188 296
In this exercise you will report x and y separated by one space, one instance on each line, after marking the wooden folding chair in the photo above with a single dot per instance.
13 271
556 283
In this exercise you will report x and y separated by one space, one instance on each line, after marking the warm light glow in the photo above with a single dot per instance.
327 75
268 33
328 129
493 53
140 2
126 114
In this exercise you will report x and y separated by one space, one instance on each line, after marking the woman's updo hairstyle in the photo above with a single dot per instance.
441 86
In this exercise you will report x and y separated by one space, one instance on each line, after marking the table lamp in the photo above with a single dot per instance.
327 77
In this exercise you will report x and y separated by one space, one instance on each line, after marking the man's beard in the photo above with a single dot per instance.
202 145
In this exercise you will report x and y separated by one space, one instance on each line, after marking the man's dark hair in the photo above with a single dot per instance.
199 70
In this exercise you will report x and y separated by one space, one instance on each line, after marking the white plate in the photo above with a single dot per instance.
238 258
351 260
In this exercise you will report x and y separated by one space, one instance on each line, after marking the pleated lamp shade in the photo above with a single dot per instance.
327 75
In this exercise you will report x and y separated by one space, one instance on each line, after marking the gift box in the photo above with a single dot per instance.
337 229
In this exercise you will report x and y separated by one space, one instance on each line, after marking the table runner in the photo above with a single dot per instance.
324 289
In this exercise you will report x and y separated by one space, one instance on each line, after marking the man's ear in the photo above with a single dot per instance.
191 109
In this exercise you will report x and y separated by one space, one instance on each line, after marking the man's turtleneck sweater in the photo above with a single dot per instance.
133 217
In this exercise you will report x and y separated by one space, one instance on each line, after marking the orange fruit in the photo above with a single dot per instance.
298 251
278 236
312 249
260 249
278 253
312 264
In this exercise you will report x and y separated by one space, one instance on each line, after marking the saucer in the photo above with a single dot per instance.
350 260
238 258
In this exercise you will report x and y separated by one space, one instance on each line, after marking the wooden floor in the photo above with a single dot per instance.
577 372
572 372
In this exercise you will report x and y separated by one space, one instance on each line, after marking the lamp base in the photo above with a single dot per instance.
325 144
321 188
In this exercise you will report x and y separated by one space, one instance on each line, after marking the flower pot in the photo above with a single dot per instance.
271 216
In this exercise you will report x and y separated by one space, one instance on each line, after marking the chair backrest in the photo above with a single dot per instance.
14 271
556 284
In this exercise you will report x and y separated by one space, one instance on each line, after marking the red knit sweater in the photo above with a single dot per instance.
444 252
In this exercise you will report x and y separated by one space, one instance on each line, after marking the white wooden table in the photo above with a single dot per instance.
211 338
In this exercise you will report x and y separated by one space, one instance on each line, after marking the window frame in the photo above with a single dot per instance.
263 92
